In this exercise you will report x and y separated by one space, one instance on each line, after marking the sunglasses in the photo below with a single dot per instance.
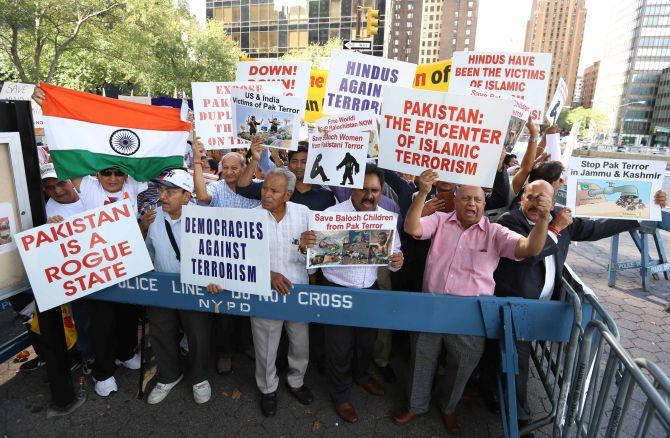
108 172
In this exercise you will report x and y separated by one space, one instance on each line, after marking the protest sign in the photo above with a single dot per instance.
520 113
315 94
228 247
212 111
276 119
458 136
335 153
16 91
7 228
292 75
433 76
557 102
610 188
356 81
522 75
351 238
553 142
87 252
570 144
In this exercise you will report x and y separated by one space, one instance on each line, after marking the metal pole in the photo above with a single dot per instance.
357 10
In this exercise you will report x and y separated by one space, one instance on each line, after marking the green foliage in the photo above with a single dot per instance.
589 118
138 45
319 54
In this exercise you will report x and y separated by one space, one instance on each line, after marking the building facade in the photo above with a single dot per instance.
264 29
637 51
660 120
558 27
577 95
589 84
423 31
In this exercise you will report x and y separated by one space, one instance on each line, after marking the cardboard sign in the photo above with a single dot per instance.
351 238
213 115
520 113
337 158
433 76
226 246
557 102
315 94
16 91
460 137
276 119
521 75
292 75
84 254
614 189
356 81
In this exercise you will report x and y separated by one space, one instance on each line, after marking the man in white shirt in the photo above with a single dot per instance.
63 200
287 222
162 230
349 350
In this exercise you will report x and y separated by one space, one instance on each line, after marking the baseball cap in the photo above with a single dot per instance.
47 171
176 178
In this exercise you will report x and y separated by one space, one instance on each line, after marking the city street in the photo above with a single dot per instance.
234 409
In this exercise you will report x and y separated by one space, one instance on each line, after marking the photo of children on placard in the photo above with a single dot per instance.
346 248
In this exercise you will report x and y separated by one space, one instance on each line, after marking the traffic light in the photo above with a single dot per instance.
372 22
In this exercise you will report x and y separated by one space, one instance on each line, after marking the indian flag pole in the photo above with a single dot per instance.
87 133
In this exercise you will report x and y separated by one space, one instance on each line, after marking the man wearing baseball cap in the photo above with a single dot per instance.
161 228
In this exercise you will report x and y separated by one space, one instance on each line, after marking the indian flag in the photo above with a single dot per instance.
87 133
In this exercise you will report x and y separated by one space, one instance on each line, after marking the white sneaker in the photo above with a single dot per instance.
202 392
132 364
105 387
161 390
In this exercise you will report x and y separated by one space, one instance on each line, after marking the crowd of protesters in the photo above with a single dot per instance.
510 240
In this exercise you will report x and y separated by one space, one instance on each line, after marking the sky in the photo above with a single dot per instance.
493 35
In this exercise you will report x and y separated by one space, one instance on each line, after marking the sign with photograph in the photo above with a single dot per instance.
351 238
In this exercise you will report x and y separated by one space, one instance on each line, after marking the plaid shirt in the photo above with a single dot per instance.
222 196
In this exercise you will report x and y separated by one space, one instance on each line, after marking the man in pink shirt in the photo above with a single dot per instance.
463 255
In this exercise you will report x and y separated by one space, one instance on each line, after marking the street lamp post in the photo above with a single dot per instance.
623 114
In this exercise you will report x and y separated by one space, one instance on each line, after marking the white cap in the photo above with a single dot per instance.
47 171
176 178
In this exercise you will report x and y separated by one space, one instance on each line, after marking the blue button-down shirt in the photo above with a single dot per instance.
223 196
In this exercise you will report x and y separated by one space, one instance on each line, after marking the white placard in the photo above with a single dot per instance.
458 136
337 158
292 75
276 119
521 75
16 91
212 111
84 254
614 189
356 81
351 238
228 247
557 102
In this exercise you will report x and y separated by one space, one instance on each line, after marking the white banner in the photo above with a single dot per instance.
213 115
356 81
337 158
228 247
614 189
557 102
458 136
351 238
521 75
276 119
293 76
84 254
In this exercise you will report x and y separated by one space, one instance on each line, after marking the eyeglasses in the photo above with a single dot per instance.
110 172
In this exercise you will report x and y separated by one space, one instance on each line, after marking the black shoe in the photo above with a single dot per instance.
387 373
269 404
303 394
32 364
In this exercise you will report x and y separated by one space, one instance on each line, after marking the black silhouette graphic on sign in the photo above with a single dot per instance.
350 167
317 169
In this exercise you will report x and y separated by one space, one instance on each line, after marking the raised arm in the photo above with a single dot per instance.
413 219
201 192
249 171
528 158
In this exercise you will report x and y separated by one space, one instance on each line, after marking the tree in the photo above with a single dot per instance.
35 33
589 118
319 54
138 45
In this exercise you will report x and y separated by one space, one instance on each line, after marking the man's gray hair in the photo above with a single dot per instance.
290 177
234 155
